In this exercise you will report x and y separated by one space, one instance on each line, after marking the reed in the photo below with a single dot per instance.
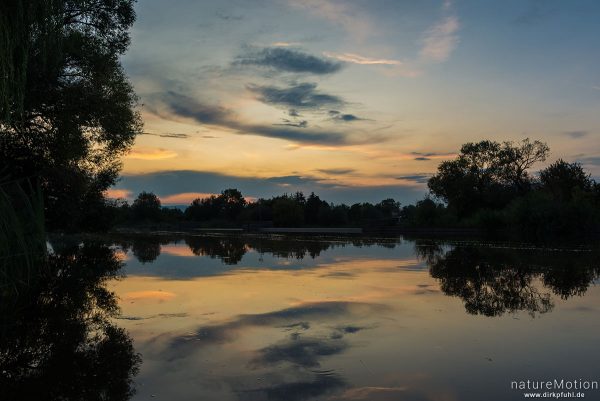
22 236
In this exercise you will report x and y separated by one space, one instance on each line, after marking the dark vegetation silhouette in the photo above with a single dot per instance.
231 209
493 281
488 187
66 108
57 336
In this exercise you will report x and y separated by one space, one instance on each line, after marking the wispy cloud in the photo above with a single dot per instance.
440 40
336 171
187 107
338 116
168 135
151 154
419 178
576 134
358 59
340 13
303 95
283 59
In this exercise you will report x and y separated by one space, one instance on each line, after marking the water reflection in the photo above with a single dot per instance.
493 281
279 318
57 340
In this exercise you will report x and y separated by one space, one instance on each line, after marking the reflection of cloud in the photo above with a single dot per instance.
301 351
177 250
151 154
373 394
288 60
302 96
300 390
357 59
227 331
148 295
440 40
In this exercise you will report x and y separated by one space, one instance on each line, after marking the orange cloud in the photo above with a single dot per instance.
184 197
116 193
151 154
149 295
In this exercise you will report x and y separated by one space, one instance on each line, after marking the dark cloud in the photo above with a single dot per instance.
187 107
288 60
429 154
422 158
293 113
418 178
168 135
179 181
341 117
336 171
297 124
576 134
302 96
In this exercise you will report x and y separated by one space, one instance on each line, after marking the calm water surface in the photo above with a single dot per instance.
218 318
280 318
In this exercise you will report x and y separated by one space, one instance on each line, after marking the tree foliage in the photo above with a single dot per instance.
486 174
69 116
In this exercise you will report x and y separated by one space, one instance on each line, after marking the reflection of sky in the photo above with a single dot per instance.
348 325
177 261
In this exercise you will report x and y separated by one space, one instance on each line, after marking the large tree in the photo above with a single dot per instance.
69 114
486 174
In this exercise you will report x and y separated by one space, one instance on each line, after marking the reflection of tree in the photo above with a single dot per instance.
57 341
146 249
494 281
230 250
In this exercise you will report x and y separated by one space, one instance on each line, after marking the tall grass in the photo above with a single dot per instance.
22 236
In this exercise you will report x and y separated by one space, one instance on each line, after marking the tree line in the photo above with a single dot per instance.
488 186
231 209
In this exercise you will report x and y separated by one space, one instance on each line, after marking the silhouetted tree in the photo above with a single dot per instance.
562 179
146 207
486 174
69 113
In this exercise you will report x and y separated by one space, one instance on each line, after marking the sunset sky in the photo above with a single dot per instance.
354 100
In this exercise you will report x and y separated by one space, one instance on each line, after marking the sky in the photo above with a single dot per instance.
357 101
